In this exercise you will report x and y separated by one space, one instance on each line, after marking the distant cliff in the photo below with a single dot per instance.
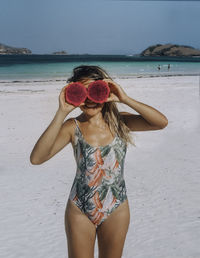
170 50
7 50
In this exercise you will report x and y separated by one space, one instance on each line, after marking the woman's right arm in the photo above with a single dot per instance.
56 136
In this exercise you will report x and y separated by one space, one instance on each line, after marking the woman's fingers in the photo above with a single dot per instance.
63 104
62 93
112 97
116 89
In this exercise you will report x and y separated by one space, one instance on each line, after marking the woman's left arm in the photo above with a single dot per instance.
149 118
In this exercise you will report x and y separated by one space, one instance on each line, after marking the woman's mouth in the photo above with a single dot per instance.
91 105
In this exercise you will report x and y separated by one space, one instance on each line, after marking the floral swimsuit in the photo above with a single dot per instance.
99 186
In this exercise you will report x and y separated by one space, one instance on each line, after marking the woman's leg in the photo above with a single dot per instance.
112 232
80 232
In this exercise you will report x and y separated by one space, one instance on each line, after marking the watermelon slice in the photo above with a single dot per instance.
98 91
75 93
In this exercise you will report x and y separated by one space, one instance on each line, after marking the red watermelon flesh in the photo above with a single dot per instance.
75 93
98 91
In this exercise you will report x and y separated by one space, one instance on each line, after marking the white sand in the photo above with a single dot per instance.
161 173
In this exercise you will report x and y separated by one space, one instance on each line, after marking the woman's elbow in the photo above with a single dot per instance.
35 161
164 123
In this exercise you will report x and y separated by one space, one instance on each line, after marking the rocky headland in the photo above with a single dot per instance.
8 50
170 50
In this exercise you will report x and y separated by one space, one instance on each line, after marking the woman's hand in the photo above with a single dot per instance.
116 92
64 106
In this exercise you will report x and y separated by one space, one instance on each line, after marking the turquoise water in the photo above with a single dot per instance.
61 71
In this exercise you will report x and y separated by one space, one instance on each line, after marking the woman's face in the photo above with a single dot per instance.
90 108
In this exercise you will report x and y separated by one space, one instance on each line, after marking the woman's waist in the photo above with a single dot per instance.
100 178
85 190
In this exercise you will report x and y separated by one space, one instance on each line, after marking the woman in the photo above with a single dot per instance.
97 202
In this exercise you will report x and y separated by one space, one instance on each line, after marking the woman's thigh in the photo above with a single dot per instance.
112 232
80 232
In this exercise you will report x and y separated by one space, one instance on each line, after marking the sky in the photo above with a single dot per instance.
98 26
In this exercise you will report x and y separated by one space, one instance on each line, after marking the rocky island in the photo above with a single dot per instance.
170 50
8 50
63 52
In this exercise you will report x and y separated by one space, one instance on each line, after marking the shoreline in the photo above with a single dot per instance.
114 77
52 87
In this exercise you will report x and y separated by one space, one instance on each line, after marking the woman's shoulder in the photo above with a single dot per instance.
70 127
79 120
72 120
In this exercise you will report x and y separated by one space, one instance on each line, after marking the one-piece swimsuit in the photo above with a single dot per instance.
98 187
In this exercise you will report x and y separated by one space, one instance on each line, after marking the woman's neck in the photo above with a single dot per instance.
96 120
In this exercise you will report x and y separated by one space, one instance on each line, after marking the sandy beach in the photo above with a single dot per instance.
161 172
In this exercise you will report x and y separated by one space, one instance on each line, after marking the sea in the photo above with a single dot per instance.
17 68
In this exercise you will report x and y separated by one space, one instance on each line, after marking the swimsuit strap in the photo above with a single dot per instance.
77 124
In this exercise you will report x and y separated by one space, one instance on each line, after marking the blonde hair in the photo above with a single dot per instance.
110 111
